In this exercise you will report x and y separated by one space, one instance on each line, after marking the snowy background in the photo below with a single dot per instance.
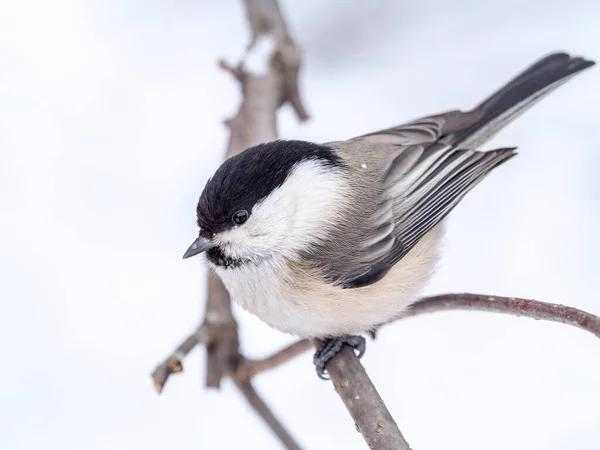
110 122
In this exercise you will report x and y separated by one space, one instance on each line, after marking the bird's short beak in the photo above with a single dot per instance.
198 246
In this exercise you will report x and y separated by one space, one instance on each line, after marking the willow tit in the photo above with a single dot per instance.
330 240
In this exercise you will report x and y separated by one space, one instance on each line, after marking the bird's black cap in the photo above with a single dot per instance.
250 176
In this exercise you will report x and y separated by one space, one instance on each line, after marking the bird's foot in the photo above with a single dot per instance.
328 348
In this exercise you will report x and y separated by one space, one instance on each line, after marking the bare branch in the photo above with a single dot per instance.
265 18
266 84
268 76
223 351
263 410
372 418
351 382
509 305
174 362
237 71
250 368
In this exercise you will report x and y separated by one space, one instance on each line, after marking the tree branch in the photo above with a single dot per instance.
173 364
250 368
371 416
223 350
265 73
366 407
263 411
508 305
268 75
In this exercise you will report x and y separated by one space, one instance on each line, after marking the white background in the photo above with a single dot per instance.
110 122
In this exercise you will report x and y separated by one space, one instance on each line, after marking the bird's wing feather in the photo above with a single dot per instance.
415 165
423 185
431 163
435 192
424 130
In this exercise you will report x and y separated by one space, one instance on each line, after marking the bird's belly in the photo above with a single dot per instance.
273 299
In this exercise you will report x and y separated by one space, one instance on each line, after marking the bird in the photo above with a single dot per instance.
329 241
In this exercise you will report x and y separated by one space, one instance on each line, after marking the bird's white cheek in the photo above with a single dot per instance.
270 227
250 241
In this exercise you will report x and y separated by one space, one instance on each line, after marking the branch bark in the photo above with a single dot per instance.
261 408
372 418
249 369
268 76
509 305
173 364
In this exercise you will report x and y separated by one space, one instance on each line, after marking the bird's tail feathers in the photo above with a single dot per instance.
517 96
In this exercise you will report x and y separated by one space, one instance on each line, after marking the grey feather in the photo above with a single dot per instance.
407 178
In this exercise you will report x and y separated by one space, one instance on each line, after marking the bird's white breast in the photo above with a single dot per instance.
270 292
295 301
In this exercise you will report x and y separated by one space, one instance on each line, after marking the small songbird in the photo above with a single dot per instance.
332 240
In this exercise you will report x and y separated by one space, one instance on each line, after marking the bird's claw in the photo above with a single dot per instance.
330 347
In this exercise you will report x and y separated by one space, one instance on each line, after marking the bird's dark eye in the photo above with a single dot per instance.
240 217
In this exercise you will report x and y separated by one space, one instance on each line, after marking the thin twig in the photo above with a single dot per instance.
250 368
265 17
263 411
236 71
373 419
174 362
509 305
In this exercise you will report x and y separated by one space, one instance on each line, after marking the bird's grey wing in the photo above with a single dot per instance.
420 187
434 162
423 130
433 187
406 152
